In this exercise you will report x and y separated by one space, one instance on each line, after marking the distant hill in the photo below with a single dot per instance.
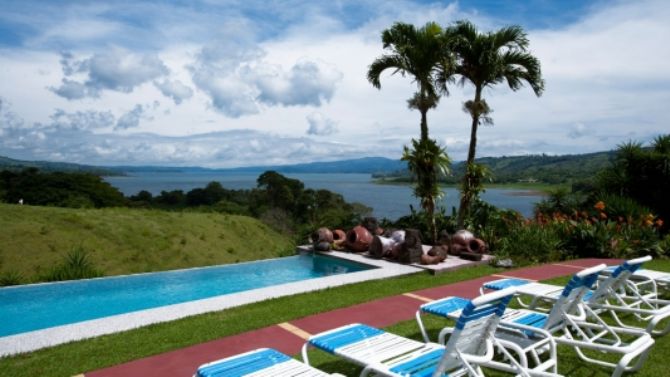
530 168
365 165
7 163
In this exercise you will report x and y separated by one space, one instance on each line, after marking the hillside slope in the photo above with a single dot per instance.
123 241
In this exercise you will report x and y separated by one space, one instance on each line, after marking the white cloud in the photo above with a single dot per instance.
131 119
175 90
116 70
320 125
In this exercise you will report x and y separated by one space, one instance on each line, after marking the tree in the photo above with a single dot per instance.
427 161
484 60
418 53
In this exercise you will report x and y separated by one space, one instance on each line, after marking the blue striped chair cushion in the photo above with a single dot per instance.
445 307
501 284
243 365
334 340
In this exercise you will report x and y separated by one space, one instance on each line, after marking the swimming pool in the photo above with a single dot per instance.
40 306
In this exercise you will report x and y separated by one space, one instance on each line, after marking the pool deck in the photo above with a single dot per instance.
289 337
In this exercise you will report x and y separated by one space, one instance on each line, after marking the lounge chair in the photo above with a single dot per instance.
471 345
261 362
614 294
646 281
570 323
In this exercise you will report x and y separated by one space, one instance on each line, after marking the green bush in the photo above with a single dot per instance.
10 278
531 243
76 265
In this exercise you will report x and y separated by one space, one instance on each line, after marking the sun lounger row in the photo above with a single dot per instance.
489 334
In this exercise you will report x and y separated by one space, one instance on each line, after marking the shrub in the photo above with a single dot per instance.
10 278
76 265
531 243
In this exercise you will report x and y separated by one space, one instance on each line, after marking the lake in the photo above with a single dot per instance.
390 201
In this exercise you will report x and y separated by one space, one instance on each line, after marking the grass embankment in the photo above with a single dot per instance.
121 241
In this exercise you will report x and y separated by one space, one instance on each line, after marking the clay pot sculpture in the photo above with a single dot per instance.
358 239
321 239
435 255
339 239
381 246
460 241
465 245
412 249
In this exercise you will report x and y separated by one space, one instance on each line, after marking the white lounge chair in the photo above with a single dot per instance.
570 323
470 345
646 281
261 362
614 294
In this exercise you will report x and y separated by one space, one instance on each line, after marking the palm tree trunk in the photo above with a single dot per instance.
424 124
466 194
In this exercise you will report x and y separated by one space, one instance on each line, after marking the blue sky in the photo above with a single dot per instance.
239 83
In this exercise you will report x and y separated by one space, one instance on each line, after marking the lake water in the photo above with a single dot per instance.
390 201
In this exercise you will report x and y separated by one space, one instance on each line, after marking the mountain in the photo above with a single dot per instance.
530 168
7 163
365 165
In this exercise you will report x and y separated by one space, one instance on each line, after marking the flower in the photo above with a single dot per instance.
599 206
659 222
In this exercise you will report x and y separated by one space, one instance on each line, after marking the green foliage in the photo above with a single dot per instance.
642 174
11 278
561 200
531 243
427 161
76 264
490 223
77 190
472 186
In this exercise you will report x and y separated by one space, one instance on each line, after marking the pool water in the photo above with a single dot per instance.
39 306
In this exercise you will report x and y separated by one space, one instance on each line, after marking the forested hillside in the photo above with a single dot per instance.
534 168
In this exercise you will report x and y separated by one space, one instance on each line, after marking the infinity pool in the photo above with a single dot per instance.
39 306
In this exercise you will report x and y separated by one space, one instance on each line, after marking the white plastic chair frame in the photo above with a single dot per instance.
470 345
615 294
576 325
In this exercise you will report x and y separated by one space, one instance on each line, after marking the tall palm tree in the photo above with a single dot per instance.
417 52
484 60
421 54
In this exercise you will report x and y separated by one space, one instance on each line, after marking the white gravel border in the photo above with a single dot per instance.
34 340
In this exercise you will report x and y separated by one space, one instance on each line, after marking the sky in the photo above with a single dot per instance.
243 83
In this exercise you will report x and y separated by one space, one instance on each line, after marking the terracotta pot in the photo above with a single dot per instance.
358 239
477 246
322 235
339 235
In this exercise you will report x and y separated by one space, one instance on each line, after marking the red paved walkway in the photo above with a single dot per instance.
378 313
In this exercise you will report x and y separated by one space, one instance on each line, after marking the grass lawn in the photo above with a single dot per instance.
123 240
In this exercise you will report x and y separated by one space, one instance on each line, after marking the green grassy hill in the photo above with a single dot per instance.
121 241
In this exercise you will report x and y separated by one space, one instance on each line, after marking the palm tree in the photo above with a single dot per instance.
486 59
418 53
427 161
